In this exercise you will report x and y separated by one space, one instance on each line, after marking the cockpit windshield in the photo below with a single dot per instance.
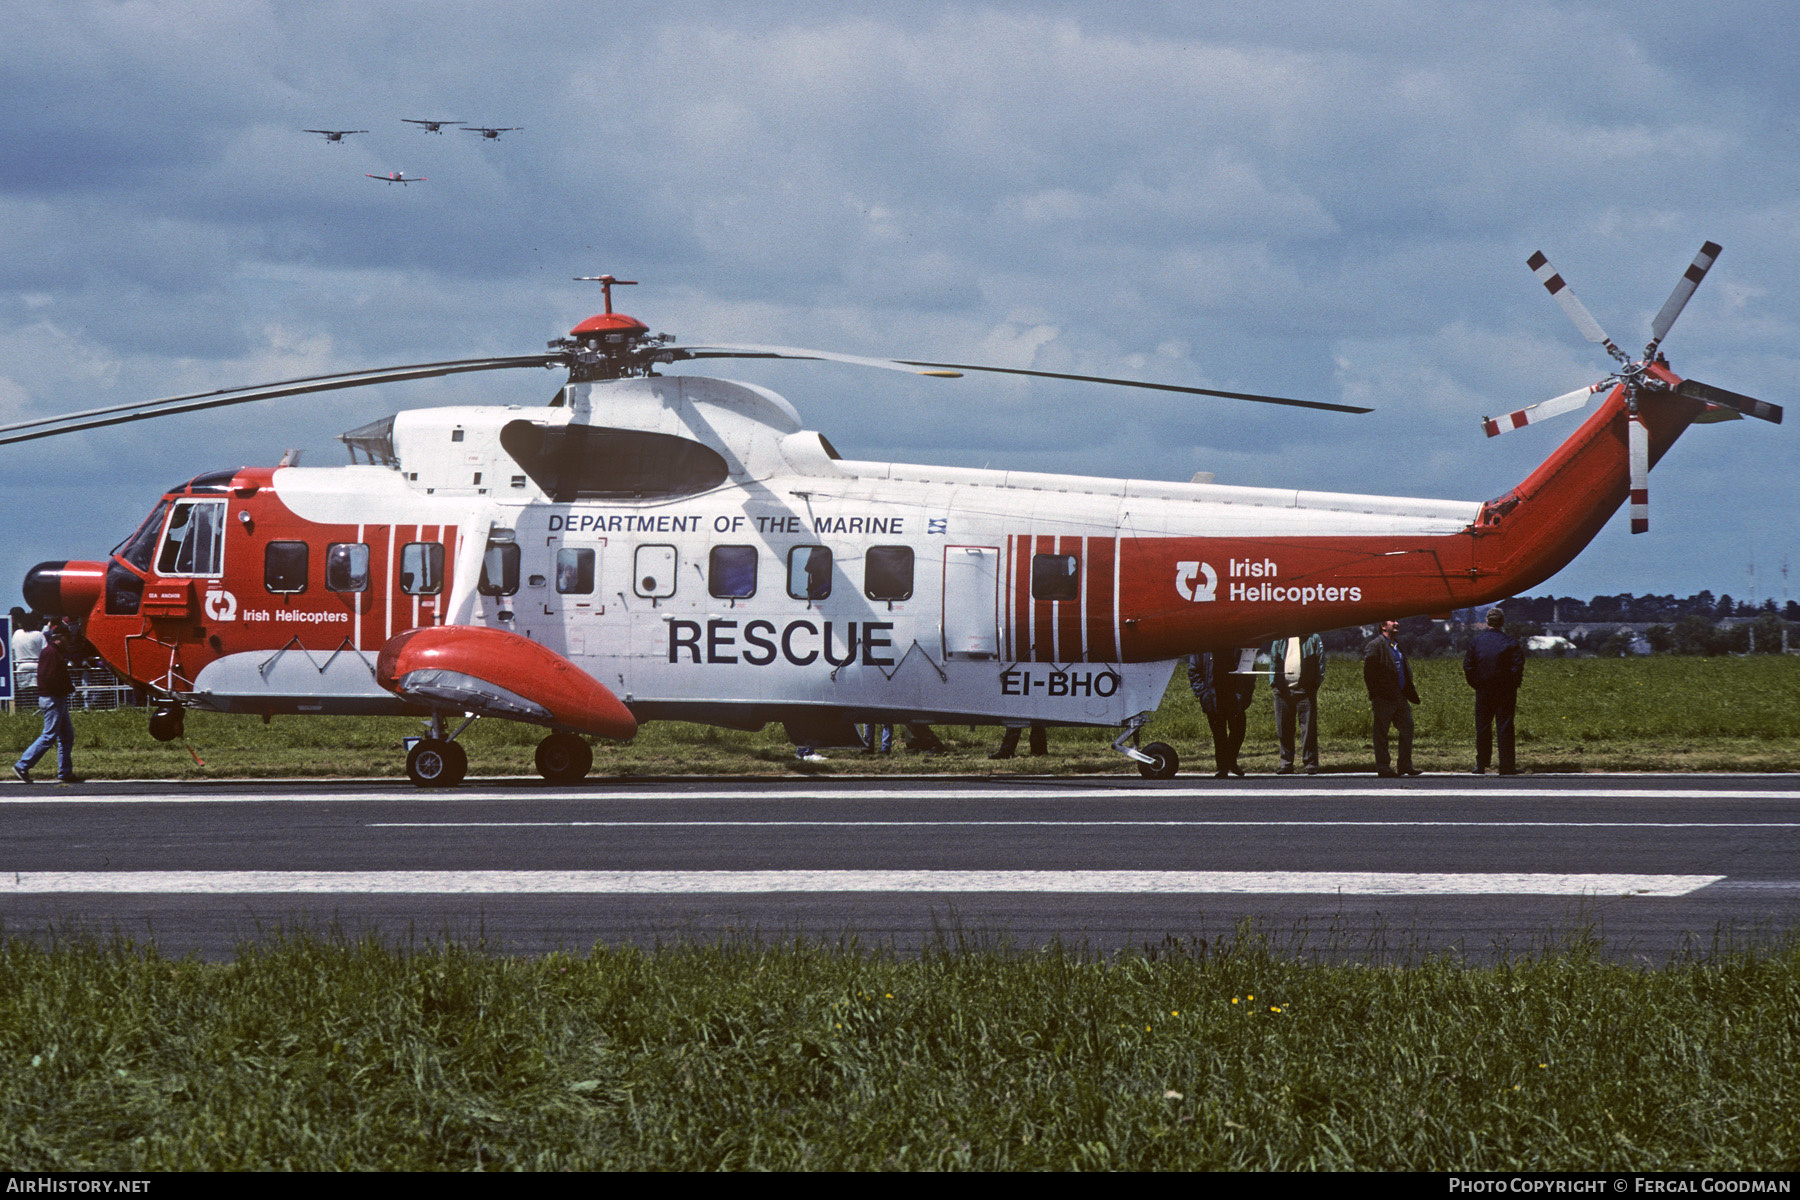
138 548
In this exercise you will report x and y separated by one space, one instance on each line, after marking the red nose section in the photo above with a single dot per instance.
500 674
64 589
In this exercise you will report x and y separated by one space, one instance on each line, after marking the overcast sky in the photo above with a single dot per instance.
1327 201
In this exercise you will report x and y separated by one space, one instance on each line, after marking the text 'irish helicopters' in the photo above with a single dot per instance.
651 547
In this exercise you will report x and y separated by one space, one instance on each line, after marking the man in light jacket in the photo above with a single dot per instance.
1299 669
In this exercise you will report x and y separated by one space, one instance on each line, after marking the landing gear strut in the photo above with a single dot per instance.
564 758
1158 760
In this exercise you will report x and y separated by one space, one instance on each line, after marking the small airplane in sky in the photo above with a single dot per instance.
400 177
334 135
492 134
430 126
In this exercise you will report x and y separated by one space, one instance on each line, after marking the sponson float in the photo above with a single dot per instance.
652 547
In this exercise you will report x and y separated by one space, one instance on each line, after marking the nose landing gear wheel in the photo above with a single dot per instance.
564 758
1166 764
436 764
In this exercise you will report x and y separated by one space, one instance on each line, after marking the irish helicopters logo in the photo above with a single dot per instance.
1192 588
220 606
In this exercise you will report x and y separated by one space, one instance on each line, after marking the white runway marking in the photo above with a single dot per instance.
513 883
1077 824
800 792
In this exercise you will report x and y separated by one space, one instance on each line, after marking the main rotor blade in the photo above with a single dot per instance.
1749 406
1138 383
1684 288
1578 313
945 370
147 409
796 352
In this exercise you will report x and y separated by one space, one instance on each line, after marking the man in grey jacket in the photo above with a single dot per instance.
1299 669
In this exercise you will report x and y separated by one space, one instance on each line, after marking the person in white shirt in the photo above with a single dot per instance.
27 644
1299 669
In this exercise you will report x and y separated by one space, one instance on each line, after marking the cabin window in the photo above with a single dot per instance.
809 572
284 567
347 567
731 572
195 541
500 569
654 572
1055 576
575 571
888 573
422 568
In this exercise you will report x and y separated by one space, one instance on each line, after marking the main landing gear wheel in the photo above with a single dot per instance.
564 758
436 764
1166 763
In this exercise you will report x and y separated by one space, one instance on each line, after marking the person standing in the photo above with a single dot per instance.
55 686
27 644
1494 665
1224 697
1388 677
1009 742
1299 669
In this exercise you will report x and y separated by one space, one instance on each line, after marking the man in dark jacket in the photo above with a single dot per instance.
1299 669
1224 697
1494 665
55 686
1388 677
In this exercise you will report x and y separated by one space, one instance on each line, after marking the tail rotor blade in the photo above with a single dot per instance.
1578 313
1519 418
1749 406
1678 298
1638 443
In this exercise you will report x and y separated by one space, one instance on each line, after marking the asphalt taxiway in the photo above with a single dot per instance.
1343 865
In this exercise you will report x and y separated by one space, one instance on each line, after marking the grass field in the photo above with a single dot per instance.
316 1054
1664 713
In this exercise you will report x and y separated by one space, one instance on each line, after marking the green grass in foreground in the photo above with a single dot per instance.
314 1054
1665 713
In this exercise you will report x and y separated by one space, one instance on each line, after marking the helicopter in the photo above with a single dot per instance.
653 546
335 135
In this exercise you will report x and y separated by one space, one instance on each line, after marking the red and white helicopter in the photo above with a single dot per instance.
654 546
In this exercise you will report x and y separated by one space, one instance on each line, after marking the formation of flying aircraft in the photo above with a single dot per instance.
654 546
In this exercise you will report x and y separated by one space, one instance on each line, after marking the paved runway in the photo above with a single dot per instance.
1340 865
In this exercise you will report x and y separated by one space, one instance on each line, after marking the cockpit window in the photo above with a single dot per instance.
194 543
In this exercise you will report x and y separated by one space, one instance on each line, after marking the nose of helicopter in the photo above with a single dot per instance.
64 589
